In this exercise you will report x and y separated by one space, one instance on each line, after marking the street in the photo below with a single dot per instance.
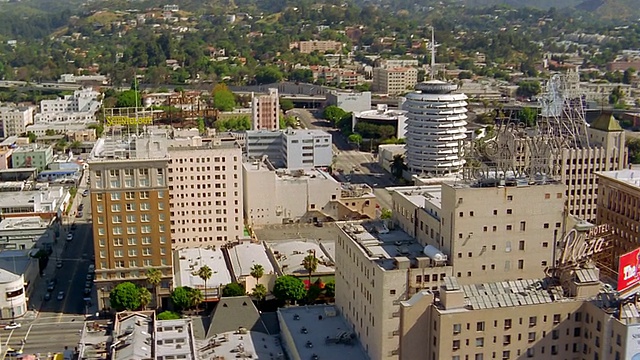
354 166
57 323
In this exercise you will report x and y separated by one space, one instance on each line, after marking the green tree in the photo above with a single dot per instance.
224 100
616 96
528 88
182 297
528 116
240 123
154 278
125 296
385 214
75 145
314 292
301 75
289 288
259 292
633 145
310 263
257 271
398 166
268 74
330 289
168 315
286 104
205 274
145 297
196 297
202 127
628 75
333 114
32 137
128 98
355 139
233 289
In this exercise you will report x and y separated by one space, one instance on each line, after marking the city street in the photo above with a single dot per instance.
57 323
354 166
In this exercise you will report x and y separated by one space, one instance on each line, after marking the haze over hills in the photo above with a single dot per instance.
609 9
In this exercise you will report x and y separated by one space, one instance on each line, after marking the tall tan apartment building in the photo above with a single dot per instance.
487 230
322 46
619 206
205 187
394 81
130 211
576 166
265 111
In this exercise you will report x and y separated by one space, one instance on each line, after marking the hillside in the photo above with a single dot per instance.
607 9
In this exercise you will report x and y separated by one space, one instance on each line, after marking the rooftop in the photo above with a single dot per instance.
192 259
383 246
23 223
245 254
419 195
16 199
629 176
290 253
132 336
286 174
175 338
151 144
290 131
606 122
7 276
93 340
17 261
319 331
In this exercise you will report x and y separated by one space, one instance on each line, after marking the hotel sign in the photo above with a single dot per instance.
128 120
579 247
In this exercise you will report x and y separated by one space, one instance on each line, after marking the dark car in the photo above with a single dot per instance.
80 207
74 226
79 214
51 285
47 296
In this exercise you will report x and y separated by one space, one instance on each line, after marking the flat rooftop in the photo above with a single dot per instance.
328 232
389 114
254 166
319 331
94 339
290 253
245 254
382 245
119 146
27 198
232 345
419 195
24 223
628 176
192 259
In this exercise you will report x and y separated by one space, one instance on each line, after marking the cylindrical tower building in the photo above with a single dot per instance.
436 121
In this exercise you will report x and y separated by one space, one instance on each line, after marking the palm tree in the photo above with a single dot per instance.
154 277
259 292
205 274
75 145
257 271
195 297
310 263
145 297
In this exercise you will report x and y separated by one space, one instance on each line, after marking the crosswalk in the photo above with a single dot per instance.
45 335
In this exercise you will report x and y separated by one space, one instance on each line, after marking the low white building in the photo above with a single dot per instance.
14 302
282 196
44 203
382 115
350 101
291 148
187 262
80 107
243 256
26 232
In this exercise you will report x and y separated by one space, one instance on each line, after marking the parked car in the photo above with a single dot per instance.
11 352
69 236
47 296
87 291
59 265
79 214
85 193
80 207
60 295
13 325
51 285
74 226
92 268
88 284
89 277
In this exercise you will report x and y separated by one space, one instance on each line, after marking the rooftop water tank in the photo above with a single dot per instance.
434 254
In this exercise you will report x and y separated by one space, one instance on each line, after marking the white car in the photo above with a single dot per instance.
69 236
13 325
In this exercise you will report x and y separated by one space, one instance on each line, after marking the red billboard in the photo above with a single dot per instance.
629 270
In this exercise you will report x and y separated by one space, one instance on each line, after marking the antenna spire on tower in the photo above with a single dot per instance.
433 53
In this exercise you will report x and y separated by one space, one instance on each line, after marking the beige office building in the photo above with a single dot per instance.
377 268
205 187
576 318
394 81
130 211
265 111
488 231
619 206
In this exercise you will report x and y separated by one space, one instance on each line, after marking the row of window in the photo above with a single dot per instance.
144 206
132 241
204 160
118 230
128 195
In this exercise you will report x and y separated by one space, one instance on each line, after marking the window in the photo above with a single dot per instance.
144 206
117 230
506 340
132 230
556 319
117 253
555 334
392 292
456 344
507 324
131 241
116 219
146 229
130 206
530 352
532 321
145 218
521 245
119 264
532 337
133 263
146 251
129 195
480 326
131 218
117 242
479 342
115 207
509 211
133 252
146 240
523 225
456 329
115 196
520 264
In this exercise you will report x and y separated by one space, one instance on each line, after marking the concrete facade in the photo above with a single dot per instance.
32 155
499 232
130 208
205 184
350 102
265 111
14 119
383 116
14 302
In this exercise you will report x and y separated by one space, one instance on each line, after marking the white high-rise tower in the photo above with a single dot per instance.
436 131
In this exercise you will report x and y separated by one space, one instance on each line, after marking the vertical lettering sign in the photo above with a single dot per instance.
579 247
